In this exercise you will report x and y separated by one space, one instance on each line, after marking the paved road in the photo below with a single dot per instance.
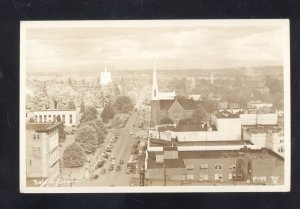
121 151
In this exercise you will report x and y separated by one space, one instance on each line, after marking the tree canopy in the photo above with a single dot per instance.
82 107
71 105
166 120
199 115
107 114
90 113
122 104
87 138
99 128
73 156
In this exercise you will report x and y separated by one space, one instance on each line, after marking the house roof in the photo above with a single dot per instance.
187 104
165 104
226 114
42 127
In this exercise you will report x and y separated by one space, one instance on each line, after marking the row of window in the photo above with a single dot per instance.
54 118
216 176
281 150
216 166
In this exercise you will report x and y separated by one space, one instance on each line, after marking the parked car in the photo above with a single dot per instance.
131 133
121 162
111 167
118 168
100 164
113 162
94 177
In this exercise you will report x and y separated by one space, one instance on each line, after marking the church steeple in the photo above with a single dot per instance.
154 84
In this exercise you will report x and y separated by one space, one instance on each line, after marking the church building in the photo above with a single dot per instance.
167 105
105 78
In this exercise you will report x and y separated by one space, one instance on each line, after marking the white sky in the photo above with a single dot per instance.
71 49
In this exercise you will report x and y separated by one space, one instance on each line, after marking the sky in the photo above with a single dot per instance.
121 48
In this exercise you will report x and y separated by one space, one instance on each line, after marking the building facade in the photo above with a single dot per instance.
42 154
69 116
255 167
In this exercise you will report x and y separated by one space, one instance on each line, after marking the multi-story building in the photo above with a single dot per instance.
42 154
69 116
171 164
262 116
270 137
224 127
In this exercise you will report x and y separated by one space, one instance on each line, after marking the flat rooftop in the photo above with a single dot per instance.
185 128
159 143
50 110
185 155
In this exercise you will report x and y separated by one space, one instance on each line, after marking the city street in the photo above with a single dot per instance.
121 150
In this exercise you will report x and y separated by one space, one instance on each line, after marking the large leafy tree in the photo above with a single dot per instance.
82 107
73 156
199 115
122 104
71 105
107 114
90 113
87 138
99 128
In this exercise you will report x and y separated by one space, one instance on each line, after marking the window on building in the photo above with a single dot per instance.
190 177
190 167
29 162
40 118
154 93
45 118
218 166
49 116
281 141
218 176
239 176
36 136
71 119
36 152
63 117
203 166
232 166
230 176
233 176
203 177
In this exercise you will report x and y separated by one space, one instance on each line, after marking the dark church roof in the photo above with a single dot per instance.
165 104
187 104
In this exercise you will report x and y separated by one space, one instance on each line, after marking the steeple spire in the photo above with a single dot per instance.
154 84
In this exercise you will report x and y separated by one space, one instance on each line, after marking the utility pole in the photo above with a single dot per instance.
165 176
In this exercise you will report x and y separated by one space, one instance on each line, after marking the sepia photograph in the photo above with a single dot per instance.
155 106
